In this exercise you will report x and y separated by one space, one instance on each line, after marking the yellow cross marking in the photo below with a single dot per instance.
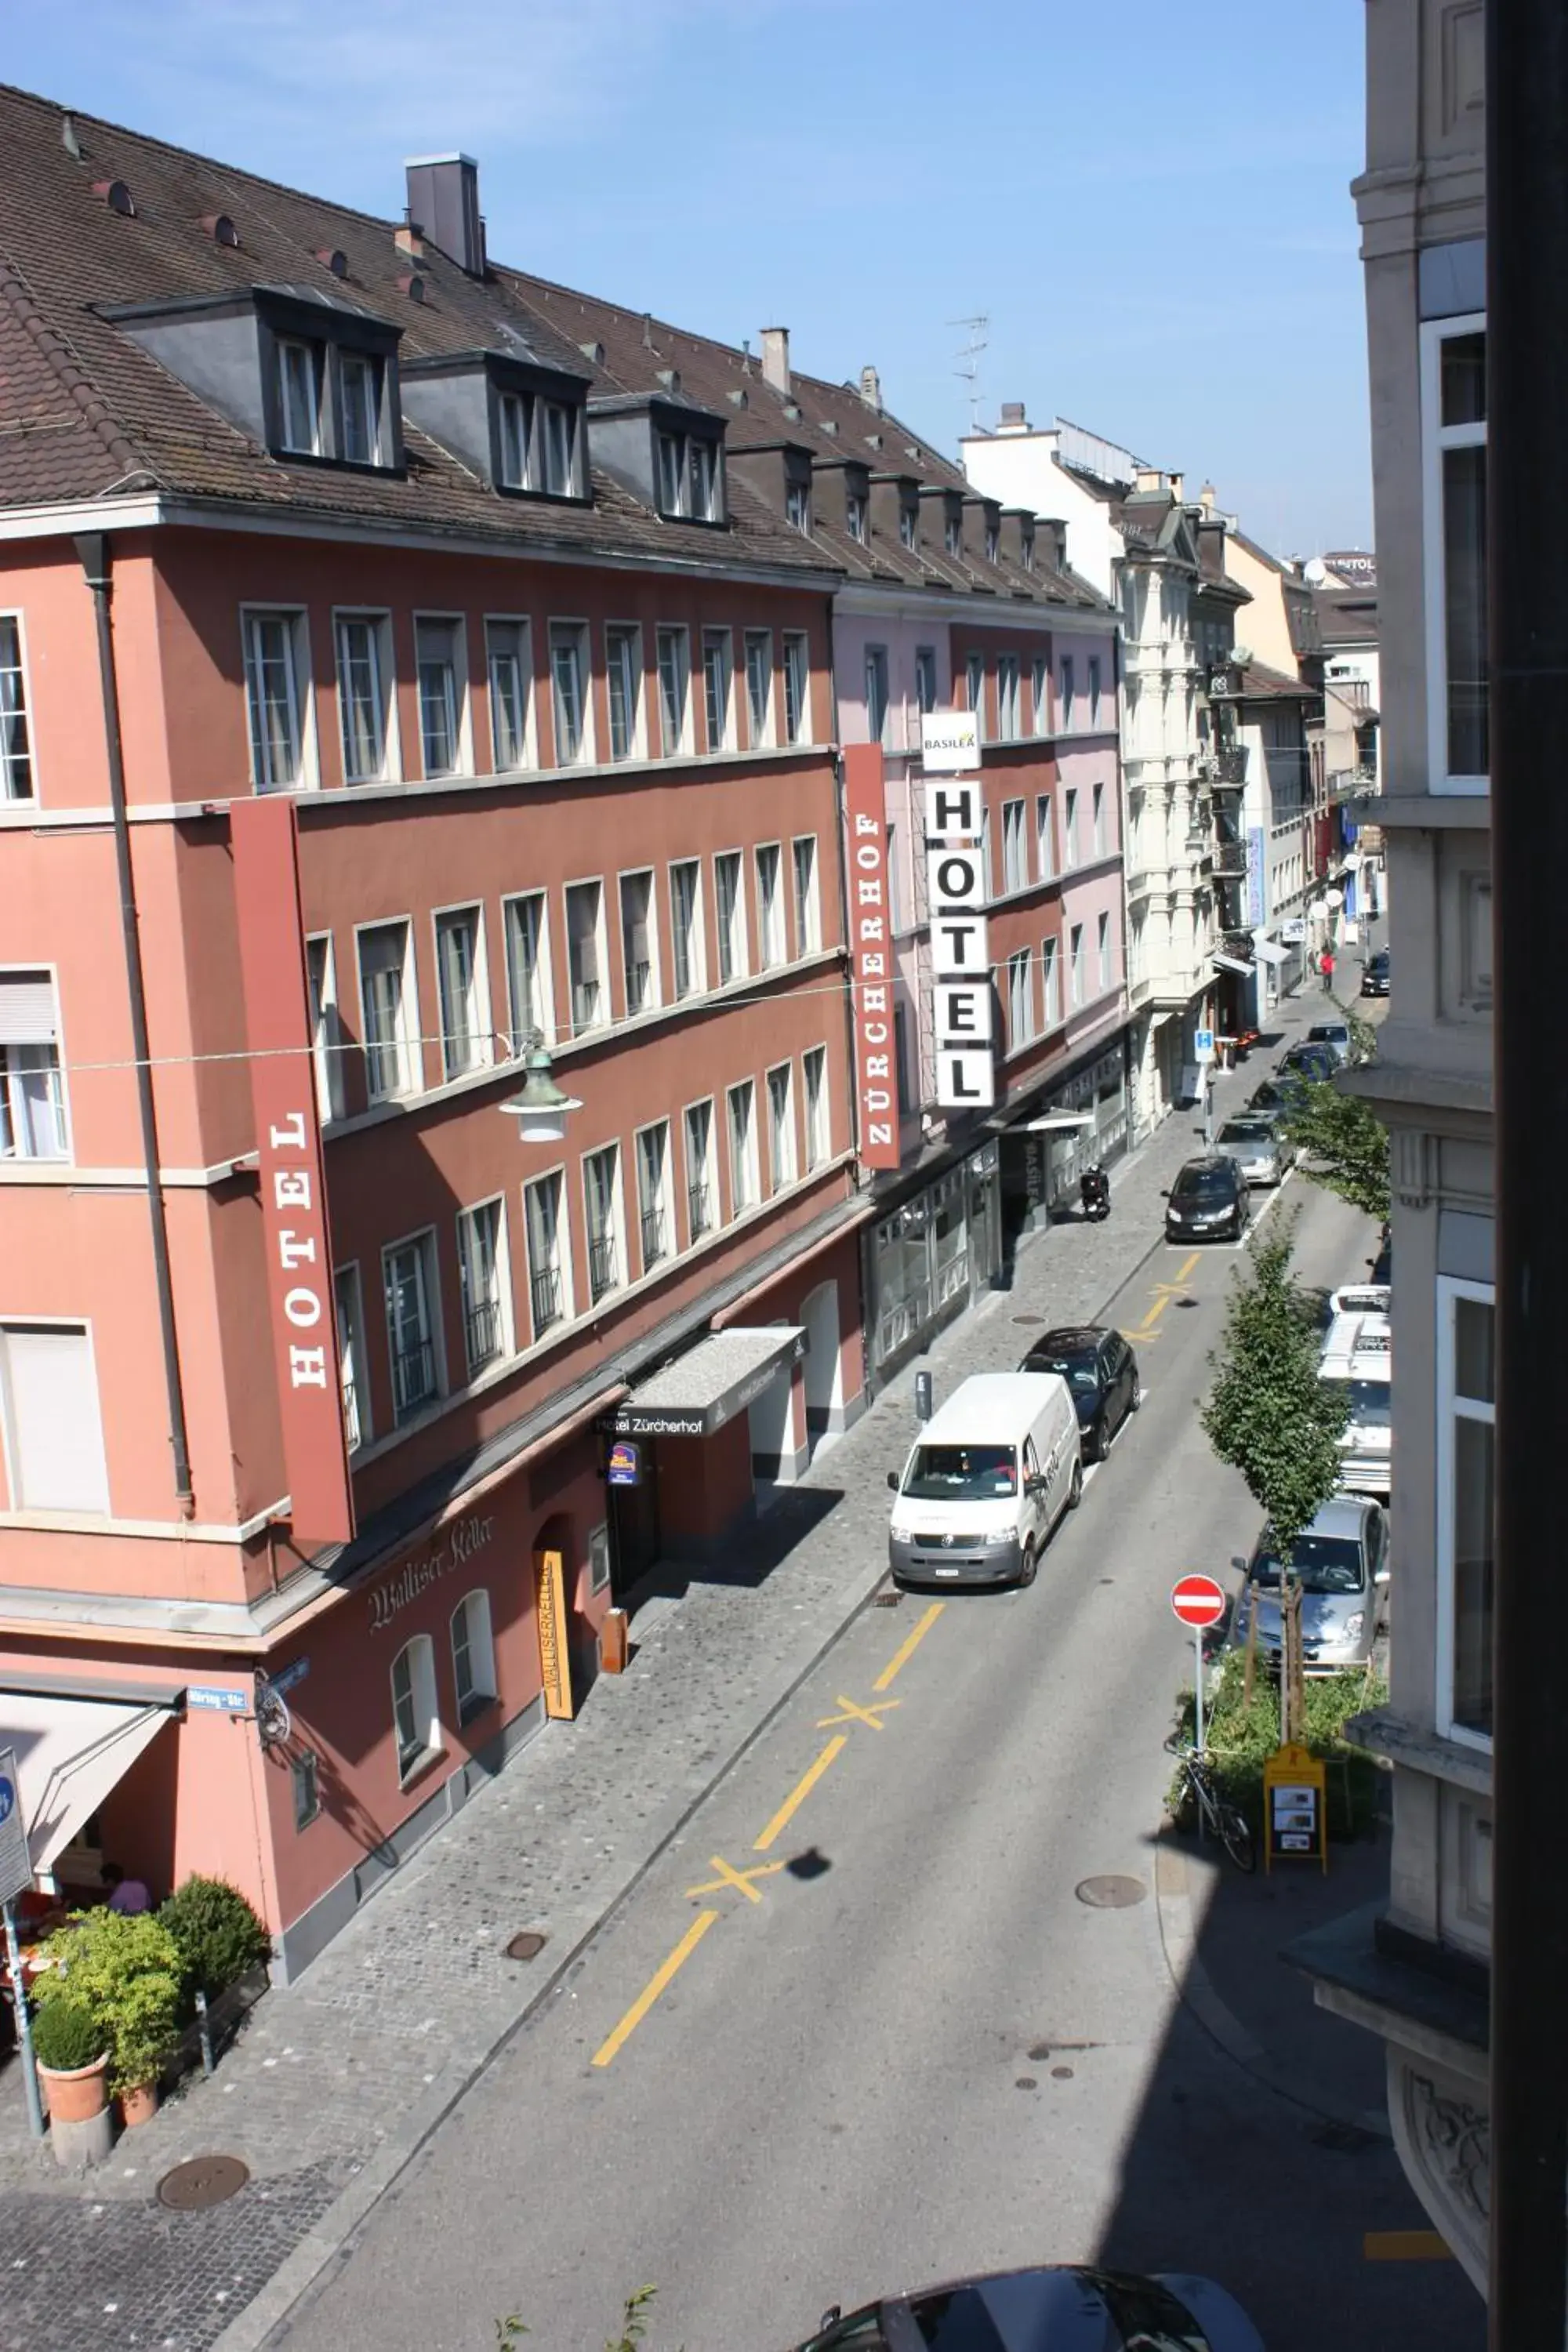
740 1879
1148 1338
852 1714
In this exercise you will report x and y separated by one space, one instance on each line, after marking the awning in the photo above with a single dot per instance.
1055 1122
1266 952
700 1392
1232 963
70 1753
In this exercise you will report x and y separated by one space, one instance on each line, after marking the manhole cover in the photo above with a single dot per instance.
205 2181
1030 1319
526 1947
1110 1893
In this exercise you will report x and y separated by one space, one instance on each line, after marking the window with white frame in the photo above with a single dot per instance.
909 522
440 682
1094 689
514 418
675 690
408 1275
1020 1002
797 505
549 1271
687 475
718 688
276 688
758 650
1014 847
730 903
622 682
782 1164
818 1144
585 954
569 691
1097 809
953 540
1065 696
1070 825
509 670
486 1287
689 976
326 1024
925 678
359 403
807 910
16 744
388 1029
299 396
555 460
1051 976
1077 974
877 695
52 1424
639 944
1466 1502
473 1655
602 1204
744 1181
416 1717
654 1224
1102 948
1008 723
854 515
32 1093
1454 433
352 1363
364 695
992 542
701 1175
1039 695
465 998
798 686
974 687
770 908
1045 838
529 1005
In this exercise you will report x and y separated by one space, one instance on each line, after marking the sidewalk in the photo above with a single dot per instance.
339 2079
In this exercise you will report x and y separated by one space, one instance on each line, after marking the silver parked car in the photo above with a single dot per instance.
1342 1564
1254 1144
1336 1036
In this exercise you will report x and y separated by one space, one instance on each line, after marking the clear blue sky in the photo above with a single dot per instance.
1148 204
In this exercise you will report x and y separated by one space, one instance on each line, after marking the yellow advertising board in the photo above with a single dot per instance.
1295 1806
554 1652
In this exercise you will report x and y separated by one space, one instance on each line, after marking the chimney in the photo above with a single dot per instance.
775 358
444 197
409 239
871 389
1206 498
1149 477
1176 481
1012 419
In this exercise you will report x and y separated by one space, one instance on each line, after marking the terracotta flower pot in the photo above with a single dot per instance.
73 2095
139 2104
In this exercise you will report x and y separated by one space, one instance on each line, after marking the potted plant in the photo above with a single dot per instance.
217 1933
72 2055
124 1968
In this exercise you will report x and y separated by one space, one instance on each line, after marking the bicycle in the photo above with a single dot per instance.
1217 1814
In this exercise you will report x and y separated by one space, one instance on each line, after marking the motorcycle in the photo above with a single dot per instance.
1094 1193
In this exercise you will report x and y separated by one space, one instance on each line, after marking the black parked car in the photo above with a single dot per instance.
1276 1097
1374 974
1101 1372
1315 1063
1208 1202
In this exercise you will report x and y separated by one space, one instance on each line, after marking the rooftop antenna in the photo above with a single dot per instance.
968 360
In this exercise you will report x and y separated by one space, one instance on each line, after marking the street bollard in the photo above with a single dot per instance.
922 1396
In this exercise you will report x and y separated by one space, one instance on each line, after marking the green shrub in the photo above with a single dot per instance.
1240 1740
125 1969
218 1933
65 2035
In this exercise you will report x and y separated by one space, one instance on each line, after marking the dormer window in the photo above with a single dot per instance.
688 477
514 422
797 506
559 427
992 542
359 388
909 525
702 478
952 537
537 444
854 515
299 396
1026 551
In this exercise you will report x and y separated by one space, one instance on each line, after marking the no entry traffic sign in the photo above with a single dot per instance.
1197 1600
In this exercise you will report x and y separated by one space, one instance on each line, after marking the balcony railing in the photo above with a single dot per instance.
544 1295
1230 768
697 1209
1230 860
412 1377
653 1240
602 1275
482 1331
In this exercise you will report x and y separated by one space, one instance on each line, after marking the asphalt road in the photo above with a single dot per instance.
902 2046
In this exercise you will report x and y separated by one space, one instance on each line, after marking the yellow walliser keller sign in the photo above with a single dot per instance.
1295 1805
555 1658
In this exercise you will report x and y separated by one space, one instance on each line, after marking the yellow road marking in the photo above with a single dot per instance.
906 1650
742 1879
1149 1336
1186 1272
1153 1315
656 1983
1406 2246
801 1790
871 1715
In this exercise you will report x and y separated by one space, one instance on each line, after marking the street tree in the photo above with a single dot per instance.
1269 1415
1343 1142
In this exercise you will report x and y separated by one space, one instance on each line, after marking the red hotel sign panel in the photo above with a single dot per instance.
871 955
293 1186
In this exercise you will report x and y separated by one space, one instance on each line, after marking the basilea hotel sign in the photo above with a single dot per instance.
871 955
289 1152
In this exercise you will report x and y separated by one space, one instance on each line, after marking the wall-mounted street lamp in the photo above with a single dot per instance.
540 1108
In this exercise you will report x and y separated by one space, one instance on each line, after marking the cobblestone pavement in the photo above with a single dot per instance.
335 2081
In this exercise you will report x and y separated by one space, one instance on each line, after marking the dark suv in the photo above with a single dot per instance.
1374 974
1208 1202
1102 1374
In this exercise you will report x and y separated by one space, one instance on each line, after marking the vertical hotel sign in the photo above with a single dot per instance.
871 954
289 1149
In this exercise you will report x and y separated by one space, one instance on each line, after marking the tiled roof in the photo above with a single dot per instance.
1261 683
1347 616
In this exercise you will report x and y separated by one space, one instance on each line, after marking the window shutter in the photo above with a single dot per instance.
53 1422
27 1011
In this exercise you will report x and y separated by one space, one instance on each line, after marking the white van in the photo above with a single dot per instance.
986 1481
1357 1356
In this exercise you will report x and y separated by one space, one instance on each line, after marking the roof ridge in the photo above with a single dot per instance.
69 373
